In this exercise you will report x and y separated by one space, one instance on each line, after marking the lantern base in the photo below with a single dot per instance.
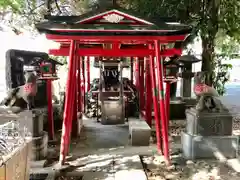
177 109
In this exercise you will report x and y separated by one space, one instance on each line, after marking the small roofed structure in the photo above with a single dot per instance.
114 32
20 61
30 58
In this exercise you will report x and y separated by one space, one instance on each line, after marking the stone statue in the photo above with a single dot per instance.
207 96
22 97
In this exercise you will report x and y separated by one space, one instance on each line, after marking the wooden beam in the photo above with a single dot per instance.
115 53
163 39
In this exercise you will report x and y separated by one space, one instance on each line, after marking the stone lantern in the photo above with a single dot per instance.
186 75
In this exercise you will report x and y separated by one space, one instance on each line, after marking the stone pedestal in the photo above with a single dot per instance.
177 109
38 119
197 147
186 62
139 131
112 112
190 102
186 84
208 123
209 135
40 146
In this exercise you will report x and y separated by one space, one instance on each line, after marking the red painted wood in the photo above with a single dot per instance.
83 82
79 86
162 102
133 19
72 103
155 103
75 103
68 108
137 69
81 30
131 39
91 20
115 53
88 73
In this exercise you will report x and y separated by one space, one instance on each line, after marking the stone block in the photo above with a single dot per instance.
128 162
190 102
177 109
40 147
208 123
37 164
26 120
196 147
78 128
139 131
97 175
112 112
42 173
37 122
130 174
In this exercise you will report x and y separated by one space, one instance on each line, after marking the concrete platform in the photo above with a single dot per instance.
130 168
139 131
47 173
220 147
109 167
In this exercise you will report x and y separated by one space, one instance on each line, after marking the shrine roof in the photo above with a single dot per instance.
111 21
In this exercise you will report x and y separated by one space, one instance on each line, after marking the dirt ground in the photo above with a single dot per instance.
99 146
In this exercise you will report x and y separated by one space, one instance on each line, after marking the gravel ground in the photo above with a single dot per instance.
106 137
191 170
187 170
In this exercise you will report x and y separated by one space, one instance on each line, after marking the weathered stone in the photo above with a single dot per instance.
220 147
186 84
190 102
97 175
208 123
40 146
130 174
177 109
25 119
112 112
38 118
140 132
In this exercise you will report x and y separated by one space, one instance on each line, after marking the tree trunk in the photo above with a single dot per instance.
210 11
207 59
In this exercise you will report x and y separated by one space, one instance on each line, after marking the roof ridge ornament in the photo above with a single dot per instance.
113 18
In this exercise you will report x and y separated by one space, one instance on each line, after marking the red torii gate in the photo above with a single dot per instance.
128 36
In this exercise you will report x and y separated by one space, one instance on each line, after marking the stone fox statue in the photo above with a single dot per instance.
207 96
22 97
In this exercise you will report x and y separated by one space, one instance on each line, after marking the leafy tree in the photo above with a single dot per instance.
213 20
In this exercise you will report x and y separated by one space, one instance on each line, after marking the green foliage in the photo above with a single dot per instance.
214 21
229 18
217 22
226 49
14 5
61 59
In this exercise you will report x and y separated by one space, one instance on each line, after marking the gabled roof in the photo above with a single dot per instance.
98 13
111 21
